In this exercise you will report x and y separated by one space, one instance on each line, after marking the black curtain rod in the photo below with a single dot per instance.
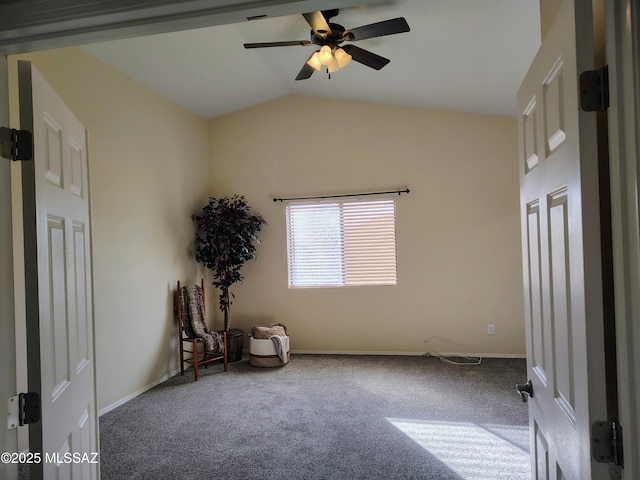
399 192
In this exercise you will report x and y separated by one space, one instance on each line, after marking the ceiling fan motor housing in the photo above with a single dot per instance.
333 39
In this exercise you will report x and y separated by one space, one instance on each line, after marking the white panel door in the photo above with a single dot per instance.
561 253
58 271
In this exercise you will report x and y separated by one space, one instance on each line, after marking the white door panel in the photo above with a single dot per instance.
59 300
561 255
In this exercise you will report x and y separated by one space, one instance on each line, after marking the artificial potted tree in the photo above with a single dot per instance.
226 238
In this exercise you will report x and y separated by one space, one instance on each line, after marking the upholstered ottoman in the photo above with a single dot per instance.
269 346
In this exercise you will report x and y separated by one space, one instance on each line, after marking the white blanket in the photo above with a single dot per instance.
280 346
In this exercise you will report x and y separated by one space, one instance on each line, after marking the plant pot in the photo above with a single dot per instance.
235 340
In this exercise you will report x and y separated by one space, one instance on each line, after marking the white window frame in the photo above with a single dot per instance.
353 254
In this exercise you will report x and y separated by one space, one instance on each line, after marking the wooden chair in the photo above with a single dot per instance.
199 357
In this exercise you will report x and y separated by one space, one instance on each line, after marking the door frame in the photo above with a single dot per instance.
8 438
622 52
129 18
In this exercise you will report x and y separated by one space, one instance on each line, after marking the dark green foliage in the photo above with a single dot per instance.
226 238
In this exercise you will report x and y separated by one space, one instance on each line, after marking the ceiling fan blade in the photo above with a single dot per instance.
318 23
291 43
366 57
379 29
306 71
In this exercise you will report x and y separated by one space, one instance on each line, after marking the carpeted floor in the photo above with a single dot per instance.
325 417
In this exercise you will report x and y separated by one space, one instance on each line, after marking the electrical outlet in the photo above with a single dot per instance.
491 329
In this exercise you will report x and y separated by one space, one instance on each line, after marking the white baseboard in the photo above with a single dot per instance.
355 352
476 355
133 395
409 354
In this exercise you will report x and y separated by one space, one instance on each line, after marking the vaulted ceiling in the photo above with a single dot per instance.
463 55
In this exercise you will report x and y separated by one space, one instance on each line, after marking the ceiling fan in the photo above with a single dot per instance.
329 36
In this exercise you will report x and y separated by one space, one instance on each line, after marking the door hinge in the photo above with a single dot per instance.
16 144
23 409
594 90
606 442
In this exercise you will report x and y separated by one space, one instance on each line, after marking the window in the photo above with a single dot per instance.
332 244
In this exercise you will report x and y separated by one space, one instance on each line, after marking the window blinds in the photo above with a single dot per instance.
341 243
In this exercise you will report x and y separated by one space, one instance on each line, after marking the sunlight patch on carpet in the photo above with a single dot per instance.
474 452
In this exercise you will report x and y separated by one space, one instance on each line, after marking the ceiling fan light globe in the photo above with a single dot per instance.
324 55
342 57
314 62
333 66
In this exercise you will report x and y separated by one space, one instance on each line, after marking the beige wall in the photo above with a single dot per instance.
149 168
458 232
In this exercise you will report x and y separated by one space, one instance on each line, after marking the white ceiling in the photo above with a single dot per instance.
464 55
